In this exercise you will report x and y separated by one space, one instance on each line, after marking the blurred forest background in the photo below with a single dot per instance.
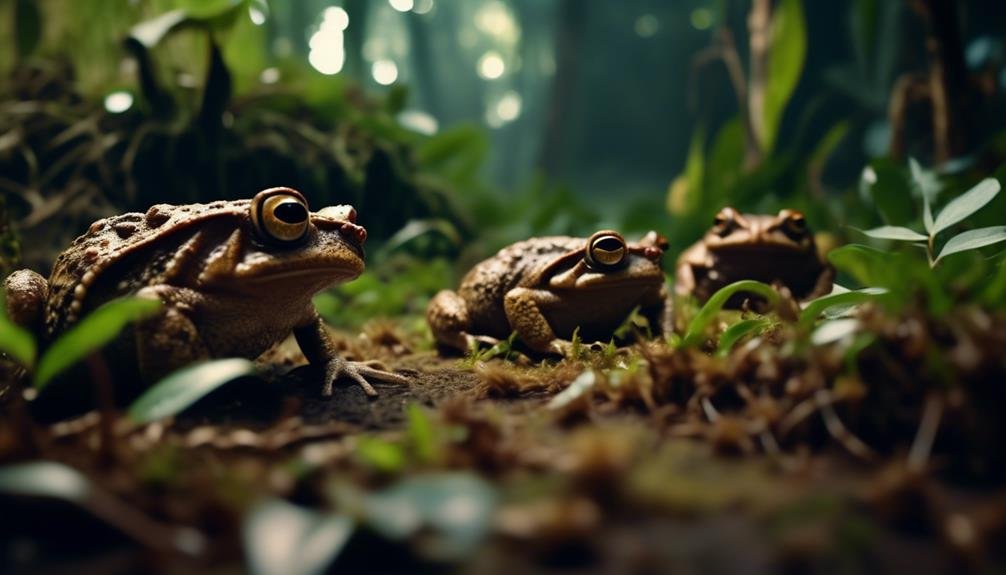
457 126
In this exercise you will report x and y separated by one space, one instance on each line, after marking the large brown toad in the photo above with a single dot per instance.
769 248
545 288
234 278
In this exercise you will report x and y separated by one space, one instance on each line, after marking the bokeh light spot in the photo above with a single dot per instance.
118 102
385 72
402 5
702 18
647 26
491 65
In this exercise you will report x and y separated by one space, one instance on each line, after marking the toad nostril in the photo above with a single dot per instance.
653 252
353 231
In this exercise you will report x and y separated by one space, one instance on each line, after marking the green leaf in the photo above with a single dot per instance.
834 330
786 56
45 479
186 386
16 341
381 454
218 14
27 28
818 306
966 204
869 266
926 182
895 233
91 334
702 320
280 537
421 433
684 197
884 184
927 215
454 511
739 330
455 154
972 240
150 32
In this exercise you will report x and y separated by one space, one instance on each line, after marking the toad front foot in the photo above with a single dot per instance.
358 371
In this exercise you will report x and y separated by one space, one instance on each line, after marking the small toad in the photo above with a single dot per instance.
768 248
546 288
234 278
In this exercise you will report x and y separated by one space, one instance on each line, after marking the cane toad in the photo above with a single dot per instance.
234 278
769 248
545 288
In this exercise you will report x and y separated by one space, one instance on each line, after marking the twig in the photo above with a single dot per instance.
922 446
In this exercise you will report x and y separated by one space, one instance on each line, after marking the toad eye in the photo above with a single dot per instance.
605 250
725 223
795 226
280 215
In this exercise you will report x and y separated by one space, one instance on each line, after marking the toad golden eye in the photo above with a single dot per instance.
605 250
282 217
795 226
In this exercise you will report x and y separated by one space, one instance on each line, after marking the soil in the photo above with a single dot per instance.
614 482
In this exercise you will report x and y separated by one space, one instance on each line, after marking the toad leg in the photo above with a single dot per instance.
168 340
523 311
659 311
314 341
447 316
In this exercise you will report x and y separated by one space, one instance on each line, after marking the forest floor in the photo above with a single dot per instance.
553 466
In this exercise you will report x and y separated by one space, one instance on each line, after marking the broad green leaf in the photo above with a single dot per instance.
966 204
150 32
280 537
895 233
926 182
454 511
685 193
869 266
834 330
885 185
92 333
786 56
16 341
220 13
45 479
815 308
697 327
725 163
737 331
972 240
186 386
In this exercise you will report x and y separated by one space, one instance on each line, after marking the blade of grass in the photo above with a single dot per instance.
184 387
16 341
818 306
92 333
734 333
697 327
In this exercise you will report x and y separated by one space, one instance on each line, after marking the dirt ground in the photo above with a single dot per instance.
612 482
